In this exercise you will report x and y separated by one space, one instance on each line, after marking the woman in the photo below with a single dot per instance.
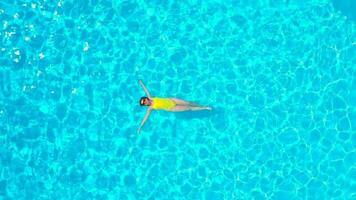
168 104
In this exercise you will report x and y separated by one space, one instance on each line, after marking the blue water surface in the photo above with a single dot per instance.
280 76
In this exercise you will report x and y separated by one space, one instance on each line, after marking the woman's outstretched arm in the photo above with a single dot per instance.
145 89
148 112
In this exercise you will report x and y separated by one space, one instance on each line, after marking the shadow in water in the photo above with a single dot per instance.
200 113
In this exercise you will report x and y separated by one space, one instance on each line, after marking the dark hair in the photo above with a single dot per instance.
142 99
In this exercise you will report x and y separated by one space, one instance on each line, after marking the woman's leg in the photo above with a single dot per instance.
185 103
179 108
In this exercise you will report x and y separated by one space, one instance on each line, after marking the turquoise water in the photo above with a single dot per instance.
280 76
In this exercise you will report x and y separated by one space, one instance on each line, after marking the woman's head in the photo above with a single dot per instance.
145 101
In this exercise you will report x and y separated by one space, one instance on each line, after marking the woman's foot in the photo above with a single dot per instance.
208 108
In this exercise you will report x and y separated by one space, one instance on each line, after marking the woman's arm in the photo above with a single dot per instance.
148 112
145 89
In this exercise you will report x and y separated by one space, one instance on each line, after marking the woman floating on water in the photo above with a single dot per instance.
168 104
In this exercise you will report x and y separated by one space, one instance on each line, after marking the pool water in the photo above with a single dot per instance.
280 76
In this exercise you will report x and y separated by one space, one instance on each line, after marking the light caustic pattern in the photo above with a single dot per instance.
280 76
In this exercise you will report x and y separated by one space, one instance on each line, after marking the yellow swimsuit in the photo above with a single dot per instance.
163 104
